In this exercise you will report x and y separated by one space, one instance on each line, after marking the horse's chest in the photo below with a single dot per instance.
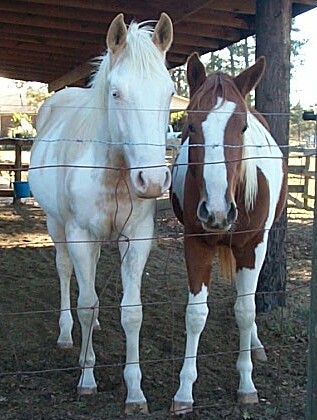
102 202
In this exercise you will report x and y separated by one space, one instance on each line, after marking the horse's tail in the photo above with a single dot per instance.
227 263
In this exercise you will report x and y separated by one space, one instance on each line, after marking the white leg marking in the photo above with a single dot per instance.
196 315
246 283
84 253
134 256
65 269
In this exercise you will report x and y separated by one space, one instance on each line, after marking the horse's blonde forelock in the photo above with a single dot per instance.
141 52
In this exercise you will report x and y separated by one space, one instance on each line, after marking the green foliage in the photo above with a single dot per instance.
178 76
296 45
23 125
177 120
301 131
35 97
235 58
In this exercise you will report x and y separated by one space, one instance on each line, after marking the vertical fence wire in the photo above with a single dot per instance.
164 284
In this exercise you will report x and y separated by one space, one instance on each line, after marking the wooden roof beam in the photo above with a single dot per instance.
49 44
223 18
49 33
78 73
53 51
196 41
217 32
243 6
99 5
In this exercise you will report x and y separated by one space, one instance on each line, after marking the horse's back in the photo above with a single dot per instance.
59 147
59 113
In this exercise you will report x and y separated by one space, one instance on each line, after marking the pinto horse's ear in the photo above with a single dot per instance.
249 78
117 34
163 33
196 74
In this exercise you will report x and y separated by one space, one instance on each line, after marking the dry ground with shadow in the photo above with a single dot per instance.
38 380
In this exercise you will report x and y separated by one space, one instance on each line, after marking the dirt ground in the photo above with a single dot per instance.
38 380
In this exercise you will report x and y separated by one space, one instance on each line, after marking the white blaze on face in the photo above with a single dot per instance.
138 117
215 172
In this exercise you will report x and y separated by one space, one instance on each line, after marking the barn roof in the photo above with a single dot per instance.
51 41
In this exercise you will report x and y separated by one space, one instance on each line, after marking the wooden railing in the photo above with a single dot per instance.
301 183
300 180
17 167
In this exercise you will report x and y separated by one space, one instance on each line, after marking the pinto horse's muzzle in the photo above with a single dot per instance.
217 220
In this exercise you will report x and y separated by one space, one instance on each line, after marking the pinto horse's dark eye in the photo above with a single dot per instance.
191 128
244 129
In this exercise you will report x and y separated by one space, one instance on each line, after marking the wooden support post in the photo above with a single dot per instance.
273 27
17 166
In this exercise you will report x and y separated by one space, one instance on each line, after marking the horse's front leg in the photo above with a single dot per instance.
84 254
133 258
246 283
198 260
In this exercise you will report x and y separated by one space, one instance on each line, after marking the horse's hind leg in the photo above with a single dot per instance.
64 268
258 350
84 253
246 283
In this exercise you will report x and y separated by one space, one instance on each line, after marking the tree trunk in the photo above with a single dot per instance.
273 27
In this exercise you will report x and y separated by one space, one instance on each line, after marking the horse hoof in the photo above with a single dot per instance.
65 346
248 398
259 354
180 408
81 390
135 408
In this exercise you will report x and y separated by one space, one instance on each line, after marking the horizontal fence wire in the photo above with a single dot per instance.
165 293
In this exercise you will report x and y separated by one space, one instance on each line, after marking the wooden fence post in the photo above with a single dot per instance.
18 167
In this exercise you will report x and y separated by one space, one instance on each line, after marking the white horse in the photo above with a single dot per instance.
97 165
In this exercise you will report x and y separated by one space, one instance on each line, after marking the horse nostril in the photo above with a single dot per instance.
140 179
232 213
202 212
141 182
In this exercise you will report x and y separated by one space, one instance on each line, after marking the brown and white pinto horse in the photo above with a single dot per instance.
228 187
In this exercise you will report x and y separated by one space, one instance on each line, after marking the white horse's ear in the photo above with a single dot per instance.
250 78
117 34
163 33
196 73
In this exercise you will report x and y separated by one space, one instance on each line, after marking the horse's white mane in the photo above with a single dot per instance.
141 53
257 142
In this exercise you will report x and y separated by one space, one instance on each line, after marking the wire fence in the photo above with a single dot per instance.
38 380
